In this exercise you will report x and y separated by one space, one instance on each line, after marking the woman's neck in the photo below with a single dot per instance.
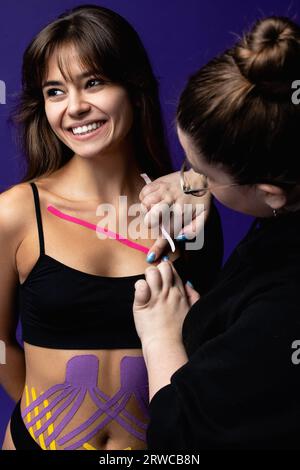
103 178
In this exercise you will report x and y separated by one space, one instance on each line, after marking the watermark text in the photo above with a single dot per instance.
128 222
2 352
2 92
296 94
296 354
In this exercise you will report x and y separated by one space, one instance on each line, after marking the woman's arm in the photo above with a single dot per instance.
160 371
160 306
12 373
239 390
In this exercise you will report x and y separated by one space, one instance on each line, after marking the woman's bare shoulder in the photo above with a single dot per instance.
15 203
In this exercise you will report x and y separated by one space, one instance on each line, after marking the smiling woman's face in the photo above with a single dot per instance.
86 101
248 199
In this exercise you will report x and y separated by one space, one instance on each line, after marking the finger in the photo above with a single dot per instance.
155 197
157 249
191 230
142 293
177 280
157 213
191 293
144 209
148 189
167 276
154 281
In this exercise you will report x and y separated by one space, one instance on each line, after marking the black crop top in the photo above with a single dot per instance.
64 308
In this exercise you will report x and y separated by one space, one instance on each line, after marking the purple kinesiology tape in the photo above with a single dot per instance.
82 378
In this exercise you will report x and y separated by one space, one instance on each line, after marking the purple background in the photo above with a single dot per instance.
180 35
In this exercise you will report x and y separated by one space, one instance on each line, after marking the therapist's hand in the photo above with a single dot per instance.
161 304
157 197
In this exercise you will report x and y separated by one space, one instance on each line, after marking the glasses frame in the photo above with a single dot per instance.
198 192
202 191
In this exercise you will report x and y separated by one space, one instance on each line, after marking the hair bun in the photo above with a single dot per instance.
269 55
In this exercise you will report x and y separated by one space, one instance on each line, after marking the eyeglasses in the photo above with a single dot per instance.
201 191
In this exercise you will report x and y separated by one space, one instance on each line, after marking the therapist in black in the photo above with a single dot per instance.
224 369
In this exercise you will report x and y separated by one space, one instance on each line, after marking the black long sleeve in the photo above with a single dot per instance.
205 264
240 388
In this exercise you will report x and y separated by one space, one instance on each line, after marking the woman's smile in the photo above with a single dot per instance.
87 132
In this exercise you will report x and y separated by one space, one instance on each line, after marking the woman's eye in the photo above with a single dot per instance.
94 82
53 91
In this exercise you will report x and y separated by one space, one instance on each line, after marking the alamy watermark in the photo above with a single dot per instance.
2 92
296 94
296 354
170 218
2 352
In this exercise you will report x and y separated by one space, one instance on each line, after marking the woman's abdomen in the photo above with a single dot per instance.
86 400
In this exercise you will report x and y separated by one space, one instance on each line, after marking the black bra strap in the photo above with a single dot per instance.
38 217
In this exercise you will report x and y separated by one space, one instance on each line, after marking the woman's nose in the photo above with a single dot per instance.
77 104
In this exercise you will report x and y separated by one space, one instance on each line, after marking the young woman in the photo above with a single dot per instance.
233 381
91 124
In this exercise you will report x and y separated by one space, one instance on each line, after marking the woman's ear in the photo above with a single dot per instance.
274 196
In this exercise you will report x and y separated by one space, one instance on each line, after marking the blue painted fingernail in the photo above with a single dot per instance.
150 257
190 284
165 258
181 237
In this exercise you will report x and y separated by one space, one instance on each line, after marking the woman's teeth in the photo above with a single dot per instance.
87 129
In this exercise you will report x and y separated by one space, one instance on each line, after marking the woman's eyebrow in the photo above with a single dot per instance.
57 83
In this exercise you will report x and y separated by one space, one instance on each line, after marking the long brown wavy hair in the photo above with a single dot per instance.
107 45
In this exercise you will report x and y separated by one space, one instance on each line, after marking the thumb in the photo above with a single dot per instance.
142 293
191 293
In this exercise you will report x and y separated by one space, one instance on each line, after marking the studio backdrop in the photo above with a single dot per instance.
180 36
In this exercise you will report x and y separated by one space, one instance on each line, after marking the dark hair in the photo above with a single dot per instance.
108 46
238 111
